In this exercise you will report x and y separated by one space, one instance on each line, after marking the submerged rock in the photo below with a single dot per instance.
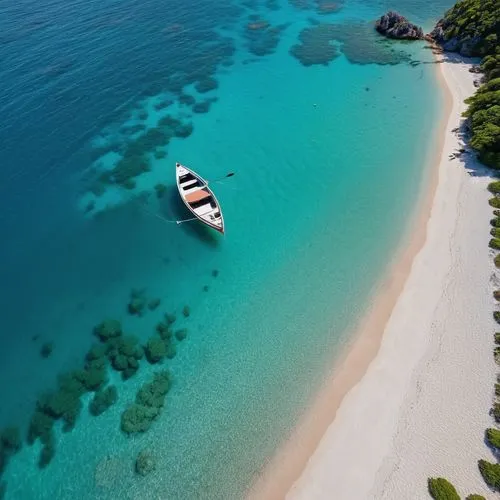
46 349
145 463
394 25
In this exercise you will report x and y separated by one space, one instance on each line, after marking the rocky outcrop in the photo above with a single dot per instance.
466 46
394 25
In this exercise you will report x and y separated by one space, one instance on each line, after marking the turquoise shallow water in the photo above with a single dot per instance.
328 160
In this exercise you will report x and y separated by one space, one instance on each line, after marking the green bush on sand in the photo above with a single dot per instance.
494 202
490 473
441 489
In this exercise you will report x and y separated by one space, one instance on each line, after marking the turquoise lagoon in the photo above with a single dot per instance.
329 162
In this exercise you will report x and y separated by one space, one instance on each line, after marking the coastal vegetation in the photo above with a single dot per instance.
441 489
490 473
472 27
493 437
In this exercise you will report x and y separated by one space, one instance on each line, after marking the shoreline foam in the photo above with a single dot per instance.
347 435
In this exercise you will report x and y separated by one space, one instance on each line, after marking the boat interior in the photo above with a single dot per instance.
199 198
188 181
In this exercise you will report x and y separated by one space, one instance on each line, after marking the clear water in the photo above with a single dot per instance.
328 163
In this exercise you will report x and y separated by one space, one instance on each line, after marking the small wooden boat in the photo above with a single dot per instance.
199 198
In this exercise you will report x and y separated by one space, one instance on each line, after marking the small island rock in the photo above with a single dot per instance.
394 25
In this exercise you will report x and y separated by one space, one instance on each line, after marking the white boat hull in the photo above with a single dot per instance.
199 198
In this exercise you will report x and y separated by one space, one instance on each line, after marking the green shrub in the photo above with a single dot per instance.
495 411
494 243
496 213
490 473
496 316
441 489
496 260
495 222
495 232
494 187
497 338
494 202
475 497
493 437
496 295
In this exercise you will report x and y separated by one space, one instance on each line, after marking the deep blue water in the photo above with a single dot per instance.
74 77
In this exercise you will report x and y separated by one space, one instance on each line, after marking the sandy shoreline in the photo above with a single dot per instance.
372 432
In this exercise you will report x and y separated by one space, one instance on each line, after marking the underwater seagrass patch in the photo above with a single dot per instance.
358 41
261 37
315 46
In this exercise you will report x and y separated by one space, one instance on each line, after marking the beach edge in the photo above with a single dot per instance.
288 471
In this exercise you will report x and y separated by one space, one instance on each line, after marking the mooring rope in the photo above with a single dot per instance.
178 222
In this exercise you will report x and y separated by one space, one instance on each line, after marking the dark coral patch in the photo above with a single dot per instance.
262 38
328 7
163 104
206 85
315 46
187 100
358 40
202 107
362 45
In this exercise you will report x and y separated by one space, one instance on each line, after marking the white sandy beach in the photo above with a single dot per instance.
422 406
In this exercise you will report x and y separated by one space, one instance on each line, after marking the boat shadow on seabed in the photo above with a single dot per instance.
171 209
